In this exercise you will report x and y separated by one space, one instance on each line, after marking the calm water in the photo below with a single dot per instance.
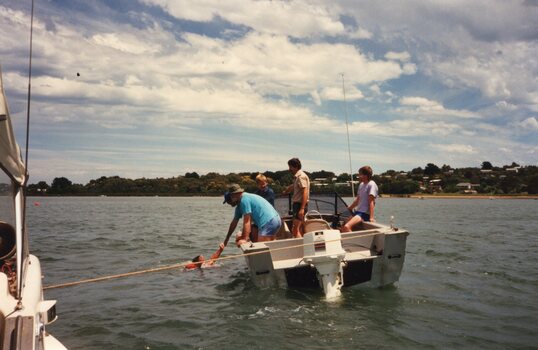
469 280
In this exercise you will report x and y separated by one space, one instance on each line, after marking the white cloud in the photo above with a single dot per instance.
530 124
424 107
409 68
277 65
267 68
503 105
406 128
455 148
293 18
375 89
398 56
483 45
316 98
13 16
126 42
337 93
359 33
148 76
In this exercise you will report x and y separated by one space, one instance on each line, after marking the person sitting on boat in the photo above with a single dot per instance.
264 190
301 194
199 261
258 216
366 195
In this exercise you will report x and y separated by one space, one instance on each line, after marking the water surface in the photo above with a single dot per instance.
469 280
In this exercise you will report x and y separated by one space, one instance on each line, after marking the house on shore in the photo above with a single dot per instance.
467 187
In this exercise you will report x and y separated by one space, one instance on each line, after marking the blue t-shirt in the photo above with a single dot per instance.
260 209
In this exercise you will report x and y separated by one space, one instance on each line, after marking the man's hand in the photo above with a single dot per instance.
240 241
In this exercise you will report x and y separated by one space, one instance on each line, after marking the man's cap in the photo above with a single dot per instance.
235 188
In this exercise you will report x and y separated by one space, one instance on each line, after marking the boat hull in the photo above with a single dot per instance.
373 257
23 327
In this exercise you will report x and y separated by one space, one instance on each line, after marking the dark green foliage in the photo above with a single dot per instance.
400 187
60 185
492 180
322 174
193 175
532 185
487 166
431 169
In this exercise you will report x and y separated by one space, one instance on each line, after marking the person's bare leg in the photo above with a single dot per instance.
348 227
296 228
266 238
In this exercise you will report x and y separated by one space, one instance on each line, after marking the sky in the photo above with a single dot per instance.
158 88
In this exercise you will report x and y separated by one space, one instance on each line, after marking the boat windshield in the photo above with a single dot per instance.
323 203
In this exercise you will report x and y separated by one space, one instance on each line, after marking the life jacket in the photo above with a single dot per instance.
192 266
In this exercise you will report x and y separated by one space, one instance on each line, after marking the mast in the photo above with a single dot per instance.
20 198
348 143
29 88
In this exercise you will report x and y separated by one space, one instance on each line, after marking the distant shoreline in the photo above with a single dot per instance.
460 196
388 196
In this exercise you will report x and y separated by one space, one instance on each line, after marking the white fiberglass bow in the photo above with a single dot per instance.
12 164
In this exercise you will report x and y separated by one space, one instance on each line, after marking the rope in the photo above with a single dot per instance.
180 265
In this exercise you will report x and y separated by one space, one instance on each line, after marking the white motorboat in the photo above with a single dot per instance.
23 311
372 254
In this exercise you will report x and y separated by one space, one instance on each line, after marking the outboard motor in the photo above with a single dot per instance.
323 249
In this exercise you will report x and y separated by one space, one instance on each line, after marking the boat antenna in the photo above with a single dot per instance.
29 91
348 143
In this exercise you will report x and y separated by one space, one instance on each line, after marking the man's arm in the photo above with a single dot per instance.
231 229
288 189
246 226
354 204
371 203
215 255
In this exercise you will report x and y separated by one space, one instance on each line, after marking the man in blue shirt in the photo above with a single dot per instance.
254 210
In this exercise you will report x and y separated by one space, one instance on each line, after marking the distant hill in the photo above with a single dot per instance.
509 179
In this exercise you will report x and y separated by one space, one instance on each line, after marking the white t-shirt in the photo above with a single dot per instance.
364 191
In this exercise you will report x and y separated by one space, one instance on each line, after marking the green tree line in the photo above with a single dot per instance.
487 179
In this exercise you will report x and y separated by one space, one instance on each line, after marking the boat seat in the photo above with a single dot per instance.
311 225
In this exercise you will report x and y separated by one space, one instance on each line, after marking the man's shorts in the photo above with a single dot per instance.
296 207
364 216
271 228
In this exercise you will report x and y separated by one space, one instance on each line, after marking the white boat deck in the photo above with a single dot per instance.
288 263
364 254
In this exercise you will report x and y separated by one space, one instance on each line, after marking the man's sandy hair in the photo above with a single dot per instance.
366 170
261 177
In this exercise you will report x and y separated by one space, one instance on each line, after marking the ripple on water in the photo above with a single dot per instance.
468 280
